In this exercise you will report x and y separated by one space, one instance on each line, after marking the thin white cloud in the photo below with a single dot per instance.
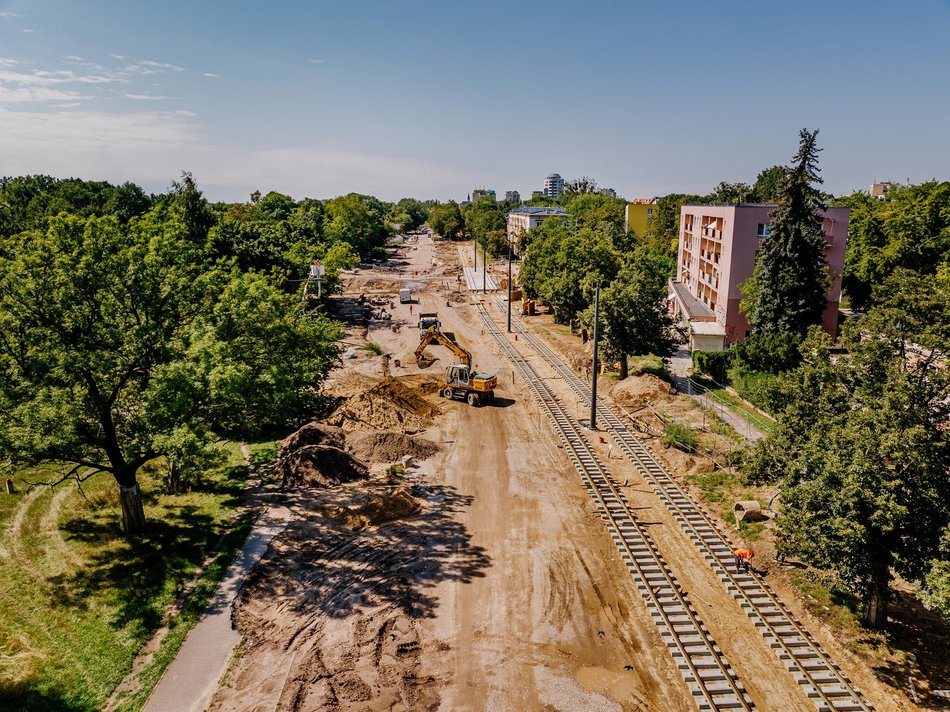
117 56
317 61
210 74
5 14
145 97
74 58
161 65
8 62
25 94
28 30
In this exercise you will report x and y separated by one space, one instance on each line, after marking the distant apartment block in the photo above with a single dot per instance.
638 215
512 196
717 246
609 192
521 220
553 185
482 193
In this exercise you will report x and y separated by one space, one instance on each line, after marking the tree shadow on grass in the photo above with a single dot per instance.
24 696
924 638
136 570
322 567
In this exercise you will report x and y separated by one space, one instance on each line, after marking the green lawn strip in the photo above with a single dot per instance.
72 621
721 490
739 407
181 625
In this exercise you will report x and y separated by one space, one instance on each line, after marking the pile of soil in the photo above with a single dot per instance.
383 503
387 446
319 466
636 391
389 405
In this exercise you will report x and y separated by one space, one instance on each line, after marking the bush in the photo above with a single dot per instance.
679 436
770 353
758 387
714 364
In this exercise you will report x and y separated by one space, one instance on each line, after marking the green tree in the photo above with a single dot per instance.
446 219
732 193
789 283
633 311
768 184
359 220
121 344
862 449
579 186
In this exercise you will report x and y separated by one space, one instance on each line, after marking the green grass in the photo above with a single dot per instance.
78 599
721 490
680 436
638 365
373 348
736 405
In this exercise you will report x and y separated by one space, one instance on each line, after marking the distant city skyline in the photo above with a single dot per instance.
315 99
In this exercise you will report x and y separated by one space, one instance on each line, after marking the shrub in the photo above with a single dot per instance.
771 353
681 437
758 387
714 364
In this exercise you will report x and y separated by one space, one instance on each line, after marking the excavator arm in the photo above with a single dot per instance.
433 333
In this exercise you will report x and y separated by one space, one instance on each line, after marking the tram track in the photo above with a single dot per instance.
708 675
821 679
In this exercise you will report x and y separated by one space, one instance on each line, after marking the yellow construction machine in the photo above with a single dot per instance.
460 381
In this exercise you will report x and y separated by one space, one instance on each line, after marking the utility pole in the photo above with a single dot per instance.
509 284
475 245
593 364
484 265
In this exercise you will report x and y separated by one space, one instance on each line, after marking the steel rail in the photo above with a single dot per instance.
803 656
710 678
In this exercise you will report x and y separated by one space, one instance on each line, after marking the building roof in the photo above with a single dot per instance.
707 328
540 212
732 205
693 307
643 201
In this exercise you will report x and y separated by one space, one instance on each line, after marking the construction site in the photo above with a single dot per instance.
458 537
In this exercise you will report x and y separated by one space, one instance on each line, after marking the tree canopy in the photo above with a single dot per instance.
786 292
862 450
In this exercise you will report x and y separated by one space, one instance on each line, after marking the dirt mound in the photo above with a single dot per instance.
638 390
312 434
383 504
386 446
319 466
389 405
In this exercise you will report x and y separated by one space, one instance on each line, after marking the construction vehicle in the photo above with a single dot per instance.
460 381
427 319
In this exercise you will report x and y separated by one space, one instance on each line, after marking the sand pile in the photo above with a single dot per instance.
314 456
386 446
389 405
639 390
383 503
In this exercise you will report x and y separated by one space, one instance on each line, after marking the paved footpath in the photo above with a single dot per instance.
191 680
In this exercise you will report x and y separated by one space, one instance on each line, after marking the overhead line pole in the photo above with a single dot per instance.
593 365
509 284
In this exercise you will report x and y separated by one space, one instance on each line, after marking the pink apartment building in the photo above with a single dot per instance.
716 254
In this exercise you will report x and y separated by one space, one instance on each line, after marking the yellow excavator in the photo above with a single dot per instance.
460 381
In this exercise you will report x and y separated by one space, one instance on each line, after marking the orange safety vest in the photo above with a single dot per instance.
744 554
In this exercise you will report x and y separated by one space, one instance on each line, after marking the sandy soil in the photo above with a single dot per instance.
480 578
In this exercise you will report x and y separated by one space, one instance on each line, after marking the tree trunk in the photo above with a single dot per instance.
173 478
133 513
623 367
875 607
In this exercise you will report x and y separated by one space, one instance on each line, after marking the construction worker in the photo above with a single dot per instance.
743 559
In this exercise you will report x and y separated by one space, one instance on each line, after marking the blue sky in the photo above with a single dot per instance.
430 99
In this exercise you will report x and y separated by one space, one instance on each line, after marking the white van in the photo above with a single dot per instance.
405 296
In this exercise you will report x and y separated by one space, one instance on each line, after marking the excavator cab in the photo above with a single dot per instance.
458 374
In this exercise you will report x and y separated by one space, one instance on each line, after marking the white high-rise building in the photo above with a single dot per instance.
553 185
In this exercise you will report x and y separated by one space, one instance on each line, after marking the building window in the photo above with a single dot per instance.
763 230
649 211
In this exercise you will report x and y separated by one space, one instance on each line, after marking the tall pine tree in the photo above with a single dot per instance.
789 284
